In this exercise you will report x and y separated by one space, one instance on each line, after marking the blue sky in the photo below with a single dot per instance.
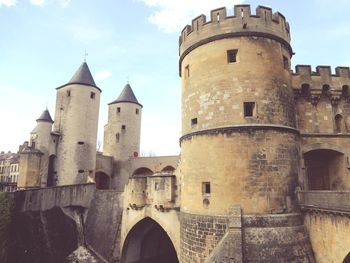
42 43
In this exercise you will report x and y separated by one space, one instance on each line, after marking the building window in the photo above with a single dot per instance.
249 109
118 110
194 121
137 111
187 71
123 127
232 56
80 142
285 63
117 136
92 95
338 123
206 188
68 93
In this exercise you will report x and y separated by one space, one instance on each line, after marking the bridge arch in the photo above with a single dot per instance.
347 259
147 242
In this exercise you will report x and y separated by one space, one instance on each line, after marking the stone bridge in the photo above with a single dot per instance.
131 226
327 218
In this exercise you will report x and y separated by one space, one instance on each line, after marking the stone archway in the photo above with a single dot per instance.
102 181
347 259
142 171
147 242
324 169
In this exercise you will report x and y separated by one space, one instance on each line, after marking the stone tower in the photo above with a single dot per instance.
35 155
76 121
123 130
42 140
239 144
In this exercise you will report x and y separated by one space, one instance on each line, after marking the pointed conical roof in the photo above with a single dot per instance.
45 117
127 95
83 77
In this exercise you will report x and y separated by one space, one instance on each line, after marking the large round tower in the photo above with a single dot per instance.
239 144
76 121
123 130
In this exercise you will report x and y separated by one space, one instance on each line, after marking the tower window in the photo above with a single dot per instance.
118 110
117 137
123 127
68 93
194 121
232 56
285 63
137 111
92 95
80 142
249 109
206 188
187 71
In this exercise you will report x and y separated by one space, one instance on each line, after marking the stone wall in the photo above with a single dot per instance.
200 235
103 225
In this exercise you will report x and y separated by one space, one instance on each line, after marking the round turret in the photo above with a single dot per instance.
41 135
123 130
239 146
76 121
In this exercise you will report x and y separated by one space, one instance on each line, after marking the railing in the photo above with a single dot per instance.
333 201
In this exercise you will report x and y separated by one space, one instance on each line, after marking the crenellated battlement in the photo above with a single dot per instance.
264 23
307 82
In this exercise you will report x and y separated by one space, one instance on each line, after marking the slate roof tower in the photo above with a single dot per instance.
123 130
76 122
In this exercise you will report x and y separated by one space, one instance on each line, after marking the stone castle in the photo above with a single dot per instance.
263 174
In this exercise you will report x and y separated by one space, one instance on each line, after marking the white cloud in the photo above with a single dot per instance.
65 3
102 74
172 16
38 2
7 3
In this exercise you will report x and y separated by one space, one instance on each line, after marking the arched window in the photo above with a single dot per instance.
305 89
168 169
338 120
326 90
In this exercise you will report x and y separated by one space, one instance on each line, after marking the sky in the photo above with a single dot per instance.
42 44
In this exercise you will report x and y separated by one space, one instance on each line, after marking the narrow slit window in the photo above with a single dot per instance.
68 93
187 71
232 56
249 109
218 17
285 63
118 110
117 137
206 189
92 95
137 111
194 121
